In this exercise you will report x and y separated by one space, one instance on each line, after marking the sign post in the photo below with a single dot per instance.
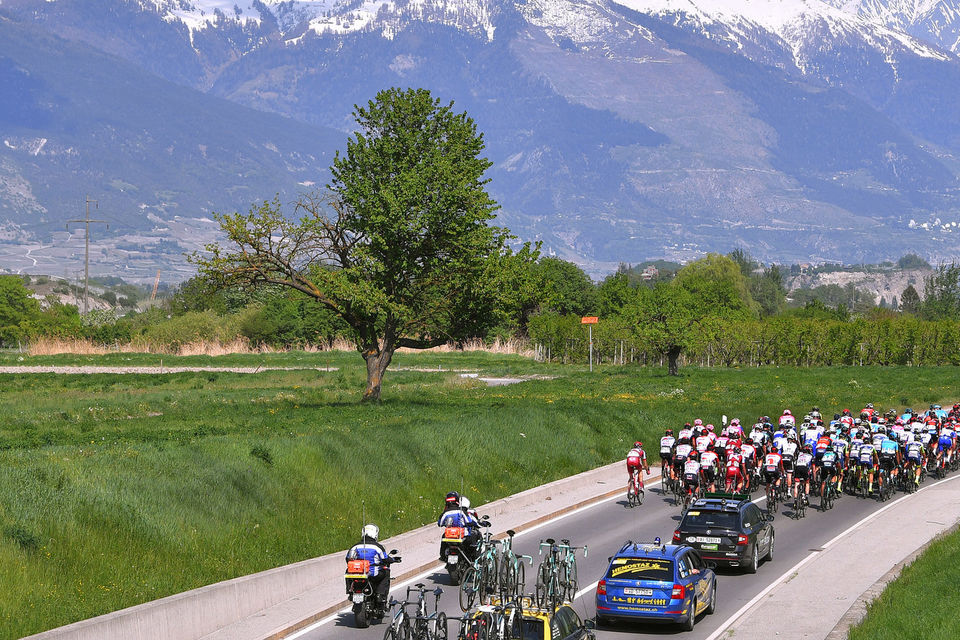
590 321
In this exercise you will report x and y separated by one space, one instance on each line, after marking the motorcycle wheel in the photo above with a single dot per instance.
453 570
361 615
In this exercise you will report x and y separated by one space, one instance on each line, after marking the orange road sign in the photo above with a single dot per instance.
589 320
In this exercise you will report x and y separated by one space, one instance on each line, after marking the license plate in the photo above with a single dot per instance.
357 597
452 559
638 592
709 547
704 539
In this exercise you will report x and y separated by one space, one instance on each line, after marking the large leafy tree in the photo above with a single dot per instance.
690 311
398 245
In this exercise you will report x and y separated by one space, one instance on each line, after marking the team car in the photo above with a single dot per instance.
728 530
563 623
656 583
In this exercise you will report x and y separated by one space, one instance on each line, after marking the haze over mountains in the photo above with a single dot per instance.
620 131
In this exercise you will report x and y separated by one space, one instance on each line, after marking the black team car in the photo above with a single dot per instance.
728 530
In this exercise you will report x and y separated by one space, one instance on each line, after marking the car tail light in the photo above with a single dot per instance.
676 535
602 588
742 539
678 592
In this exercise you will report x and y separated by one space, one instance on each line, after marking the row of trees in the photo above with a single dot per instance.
398 251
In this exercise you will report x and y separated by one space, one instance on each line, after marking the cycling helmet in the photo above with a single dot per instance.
766 418
857 421
464 503
869 405
846 412
668 432
698 422
710 427
786 412
370 532
735 421
637 445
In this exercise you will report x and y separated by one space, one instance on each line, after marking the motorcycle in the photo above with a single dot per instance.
456 555
367 603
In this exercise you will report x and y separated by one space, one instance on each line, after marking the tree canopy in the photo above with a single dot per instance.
399 244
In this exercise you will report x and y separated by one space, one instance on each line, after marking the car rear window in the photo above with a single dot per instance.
641 569
716 519
532 629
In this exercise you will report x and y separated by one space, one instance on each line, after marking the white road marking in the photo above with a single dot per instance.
418 577
729 621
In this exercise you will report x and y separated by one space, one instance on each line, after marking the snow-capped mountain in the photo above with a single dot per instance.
933 21
619 129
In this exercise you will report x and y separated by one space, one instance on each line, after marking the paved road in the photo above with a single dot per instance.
605 526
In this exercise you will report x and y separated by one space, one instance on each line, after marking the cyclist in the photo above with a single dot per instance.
735 430
773 467
749 453
789 453
758 435
915 459
735 471
709 465
828 467
890 458
847 419
945 446
372 551
802 470
868 461
636 460
667 443
685 435
692 474
702 441
787 420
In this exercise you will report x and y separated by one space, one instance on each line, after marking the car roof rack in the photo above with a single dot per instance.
643 546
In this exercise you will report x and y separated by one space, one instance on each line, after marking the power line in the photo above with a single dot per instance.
86 258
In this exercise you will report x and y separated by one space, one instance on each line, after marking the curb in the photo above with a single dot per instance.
279 634
858 610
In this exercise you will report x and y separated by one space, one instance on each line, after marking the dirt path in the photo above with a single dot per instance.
87 369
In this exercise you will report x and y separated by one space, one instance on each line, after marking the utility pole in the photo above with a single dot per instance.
86 258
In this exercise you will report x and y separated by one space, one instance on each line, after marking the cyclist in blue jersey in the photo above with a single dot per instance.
889 458
459 514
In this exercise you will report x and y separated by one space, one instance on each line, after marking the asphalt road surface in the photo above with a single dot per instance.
604 527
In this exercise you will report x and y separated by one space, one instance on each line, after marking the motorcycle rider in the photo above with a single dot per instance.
459 514
372 551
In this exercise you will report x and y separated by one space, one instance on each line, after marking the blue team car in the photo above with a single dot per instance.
656 583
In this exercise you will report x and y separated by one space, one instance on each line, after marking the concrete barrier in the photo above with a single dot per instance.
220 610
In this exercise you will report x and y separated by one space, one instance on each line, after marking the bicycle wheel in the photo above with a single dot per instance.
469 588
573 585
521 581
390 634
505 574
439 627
543 582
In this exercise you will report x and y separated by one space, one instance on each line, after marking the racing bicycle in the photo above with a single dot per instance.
511 573
426 625
481 578
557 576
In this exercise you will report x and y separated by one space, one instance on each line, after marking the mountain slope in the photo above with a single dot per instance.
76 121
618 130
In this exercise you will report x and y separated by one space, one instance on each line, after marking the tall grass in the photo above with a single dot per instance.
118 489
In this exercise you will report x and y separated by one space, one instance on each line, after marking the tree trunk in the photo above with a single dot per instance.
673 354
377 362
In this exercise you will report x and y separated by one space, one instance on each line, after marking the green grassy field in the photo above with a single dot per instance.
117 489
921 602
